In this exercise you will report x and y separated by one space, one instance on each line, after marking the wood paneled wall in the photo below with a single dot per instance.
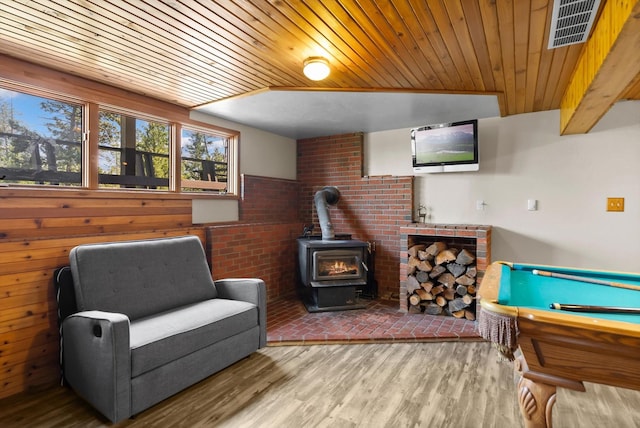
38 228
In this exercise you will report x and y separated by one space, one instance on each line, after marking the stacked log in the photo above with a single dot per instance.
441 280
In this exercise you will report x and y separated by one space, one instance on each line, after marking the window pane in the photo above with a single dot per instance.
40 140
205 160
133 152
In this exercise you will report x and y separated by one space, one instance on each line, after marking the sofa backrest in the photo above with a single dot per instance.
141 278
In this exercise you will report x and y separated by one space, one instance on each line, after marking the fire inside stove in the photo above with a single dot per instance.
337 268
337 264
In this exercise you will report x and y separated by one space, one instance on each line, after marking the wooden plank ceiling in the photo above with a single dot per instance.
192 52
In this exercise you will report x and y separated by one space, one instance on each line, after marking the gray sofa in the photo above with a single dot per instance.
150 322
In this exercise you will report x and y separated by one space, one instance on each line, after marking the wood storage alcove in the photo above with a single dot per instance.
441 279
442 267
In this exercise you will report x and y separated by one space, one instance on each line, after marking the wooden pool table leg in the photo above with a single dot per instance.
536 402
536 399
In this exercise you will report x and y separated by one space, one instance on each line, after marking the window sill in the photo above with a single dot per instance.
25 191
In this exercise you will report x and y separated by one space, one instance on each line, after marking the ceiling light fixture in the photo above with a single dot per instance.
316 67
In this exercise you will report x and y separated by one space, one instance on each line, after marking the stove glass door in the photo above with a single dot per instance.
337 264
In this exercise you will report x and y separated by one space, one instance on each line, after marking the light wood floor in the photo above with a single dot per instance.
451 384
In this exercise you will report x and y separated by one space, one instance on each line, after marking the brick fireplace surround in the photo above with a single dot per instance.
274 211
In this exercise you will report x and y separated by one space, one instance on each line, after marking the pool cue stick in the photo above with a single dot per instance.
589 308
585 279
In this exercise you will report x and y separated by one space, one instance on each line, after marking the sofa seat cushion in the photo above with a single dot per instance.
159 339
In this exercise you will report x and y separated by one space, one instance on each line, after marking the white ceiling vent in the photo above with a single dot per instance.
571 21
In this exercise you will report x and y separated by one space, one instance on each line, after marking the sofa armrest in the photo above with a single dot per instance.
250 290
96 360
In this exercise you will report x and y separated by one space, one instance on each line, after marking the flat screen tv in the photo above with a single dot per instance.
445 147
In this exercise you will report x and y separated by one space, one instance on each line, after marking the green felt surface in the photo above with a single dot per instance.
520 287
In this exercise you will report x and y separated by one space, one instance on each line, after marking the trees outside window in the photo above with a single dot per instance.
205 160
40 140
132 152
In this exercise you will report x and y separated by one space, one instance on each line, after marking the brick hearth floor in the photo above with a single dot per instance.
289 323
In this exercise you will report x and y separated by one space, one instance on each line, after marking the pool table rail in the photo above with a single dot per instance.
488 300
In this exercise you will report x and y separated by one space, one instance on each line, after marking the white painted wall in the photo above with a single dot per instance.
261 153
214 210
524 157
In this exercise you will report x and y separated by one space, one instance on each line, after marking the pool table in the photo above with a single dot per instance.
555 347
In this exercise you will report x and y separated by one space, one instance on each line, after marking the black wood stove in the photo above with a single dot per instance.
333 269
332 272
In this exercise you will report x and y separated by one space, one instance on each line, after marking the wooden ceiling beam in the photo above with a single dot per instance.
607 67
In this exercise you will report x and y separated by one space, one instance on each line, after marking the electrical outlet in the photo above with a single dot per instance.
615 204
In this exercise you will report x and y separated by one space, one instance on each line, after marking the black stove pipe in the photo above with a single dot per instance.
323 198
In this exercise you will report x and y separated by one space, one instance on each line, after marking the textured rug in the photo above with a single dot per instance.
289 323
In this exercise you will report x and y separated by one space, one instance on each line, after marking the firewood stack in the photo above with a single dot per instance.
441 280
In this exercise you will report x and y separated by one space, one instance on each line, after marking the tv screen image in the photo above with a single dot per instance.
445 147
